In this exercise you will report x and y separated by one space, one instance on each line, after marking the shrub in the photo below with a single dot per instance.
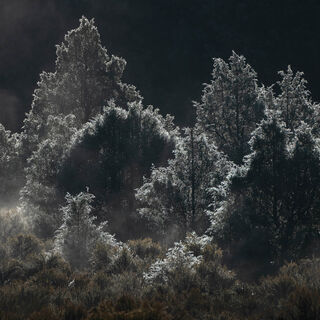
124 261
47 313
77 237
102 256
24 245
180 261
303 303
74 312
145 249
129 308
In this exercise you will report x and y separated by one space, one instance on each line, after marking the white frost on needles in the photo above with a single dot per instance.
184 255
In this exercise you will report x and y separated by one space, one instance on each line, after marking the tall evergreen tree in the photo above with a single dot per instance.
177 195
294 102
230 106
272 212
85 78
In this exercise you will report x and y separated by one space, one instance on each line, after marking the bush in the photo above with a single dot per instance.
24 298
55 278
303 303
47 313
285 295
102 257
24 245
74 312
125 283
145 249
124 262
129 308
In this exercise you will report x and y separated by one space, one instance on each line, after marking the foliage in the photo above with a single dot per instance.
23 245
127 307
78 235
273 206
176 197
231 106
294 101
207 290
110 155
39 195
145 249
182 258
85 79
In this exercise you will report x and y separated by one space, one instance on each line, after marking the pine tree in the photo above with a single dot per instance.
230 106
85 78
79 235
178 195
294 102
272 212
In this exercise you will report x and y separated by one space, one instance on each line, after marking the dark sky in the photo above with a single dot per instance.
169 45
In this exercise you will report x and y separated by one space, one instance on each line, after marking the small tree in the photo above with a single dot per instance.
78 235
183 256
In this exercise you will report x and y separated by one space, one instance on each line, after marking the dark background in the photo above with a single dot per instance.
169 44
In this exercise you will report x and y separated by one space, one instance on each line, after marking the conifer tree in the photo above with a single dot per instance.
79 235
230 106
294 102
178 195
272 211
85 78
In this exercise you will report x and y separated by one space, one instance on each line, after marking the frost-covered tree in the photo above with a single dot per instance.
273 207
231 106
294 102
111 154
177 196
194 263
183 257
85 78
39 196
78 235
